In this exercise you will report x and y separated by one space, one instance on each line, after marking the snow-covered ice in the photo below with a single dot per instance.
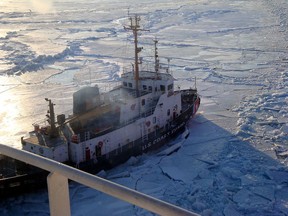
234 161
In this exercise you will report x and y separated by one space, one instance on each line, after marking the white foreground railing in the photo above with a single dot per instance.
58 190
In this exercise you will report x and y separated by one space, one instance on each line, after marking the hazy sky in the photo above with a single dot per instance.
40 6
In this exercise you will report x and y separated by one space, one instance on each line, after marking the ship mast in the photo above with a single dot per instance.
156 56
135 27
51 119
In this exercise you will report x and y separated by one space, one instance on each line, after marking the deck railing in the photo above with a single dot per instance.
58 190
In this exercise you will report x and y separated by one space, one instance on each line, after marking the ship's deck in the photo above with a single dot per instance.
44 140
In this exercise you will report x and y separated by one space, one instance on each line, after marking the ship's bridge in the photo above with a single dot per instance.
149 81
148 75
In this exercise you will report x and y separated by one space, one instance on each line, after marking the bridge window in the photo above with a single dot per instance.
125 84
168 112
144 87
162 88
143 102
130 85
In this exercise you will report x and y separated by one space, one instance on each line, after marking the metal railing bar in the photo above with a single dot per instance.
134 197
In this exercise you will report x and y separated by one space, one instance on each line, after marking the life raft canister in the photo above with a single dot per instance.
100 144
74 138
148 123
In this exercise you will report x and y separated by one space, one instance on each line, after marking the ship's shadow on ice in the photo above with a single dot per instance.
224 174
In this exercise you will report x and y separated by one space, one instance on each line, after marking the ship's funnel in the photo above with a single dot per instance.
86 99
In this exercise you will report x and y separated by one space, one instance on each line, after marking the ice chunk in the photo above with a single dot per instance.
231 211
120 175
266 191
171 149
279 177
247 199
198 205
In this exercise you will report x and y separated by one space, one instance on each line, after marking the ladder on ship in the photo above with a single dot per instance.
87 135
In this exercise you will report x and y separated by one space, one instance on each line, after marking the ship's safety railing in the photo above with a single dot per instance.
58 190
